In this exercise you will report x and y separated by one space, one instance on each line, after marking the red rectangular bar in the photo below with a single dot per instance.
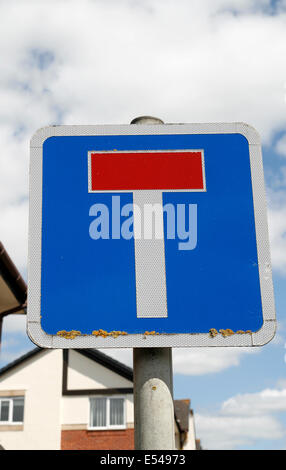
111 171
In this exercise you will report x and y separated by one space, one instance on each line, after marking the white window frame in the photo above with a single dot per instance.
11 407
108 425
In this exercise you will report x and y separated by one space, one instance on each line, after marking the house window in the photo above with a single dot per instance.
107 412
11 410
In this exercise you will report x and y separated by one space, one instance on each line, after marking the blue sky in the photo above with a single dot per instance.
95 62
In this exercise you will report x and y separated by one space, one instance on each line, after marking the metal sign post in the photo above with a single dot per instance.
153 385
153 399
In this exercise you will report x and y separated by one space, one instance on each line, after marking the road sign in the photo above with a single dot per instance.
148 236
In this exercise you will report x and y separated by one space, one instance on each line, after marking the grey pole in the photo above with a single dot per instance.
153 385
153 399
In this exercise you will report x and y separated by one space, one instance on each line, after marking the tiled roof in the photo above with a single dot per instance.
182 412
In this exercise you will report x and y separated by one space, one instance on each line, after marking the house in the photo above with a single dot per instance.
78 399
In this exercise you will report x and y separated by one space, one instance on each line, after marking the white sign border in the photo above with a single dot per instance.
42 339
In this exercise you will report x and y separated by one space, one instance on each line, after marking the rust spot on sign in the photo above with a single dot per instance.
213 332
227 332
152 333
104 333
74 333
69 334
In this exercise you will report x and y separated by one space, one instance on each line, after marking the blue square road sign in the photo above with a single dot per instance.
148 236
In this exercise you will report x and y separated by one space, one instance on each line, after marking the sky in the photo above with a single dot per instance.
107 62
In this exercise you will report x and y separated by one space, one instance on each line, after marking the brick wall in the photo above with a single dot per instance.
97 440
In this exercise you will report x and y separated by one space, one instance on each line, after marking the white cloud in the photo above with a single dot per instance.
14 233
277 225
225 432
281 146
200 361
194 361
243 420
108 62
15 324
277 229
253 404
